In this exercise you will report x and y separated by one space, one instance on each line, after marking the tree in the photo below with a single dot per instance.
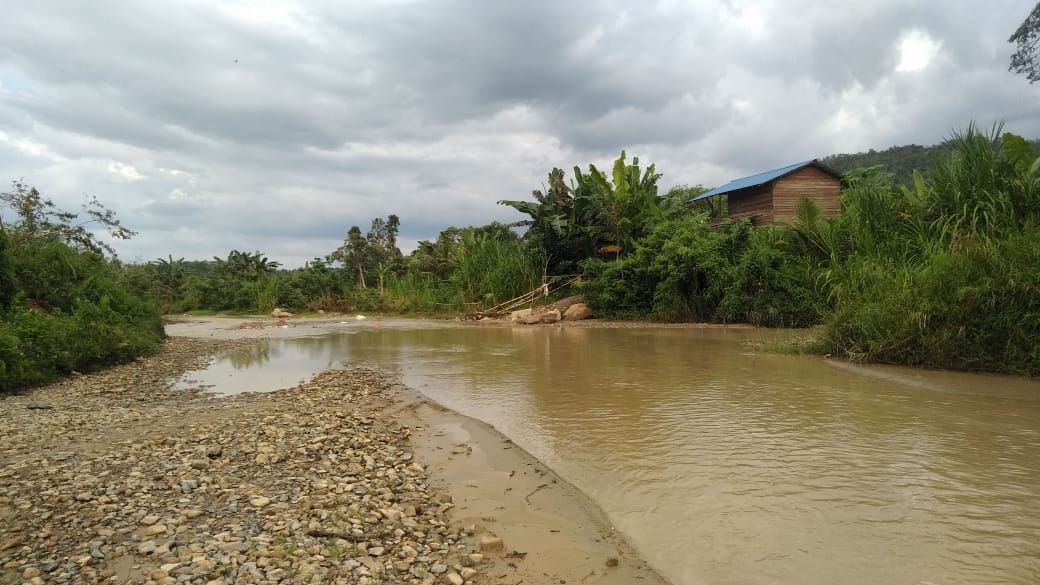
8 281
38 218
557 223
245 265
601 212
1026 58
626 203
365 254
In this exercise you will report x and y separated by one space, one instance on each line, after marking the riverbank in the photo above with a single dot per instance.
348 478
260 327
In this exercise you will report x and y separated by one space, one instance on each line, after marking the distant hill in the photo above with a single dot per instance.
900 160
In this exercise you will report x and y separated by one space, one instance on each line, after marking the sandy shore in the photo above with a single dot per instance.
349 478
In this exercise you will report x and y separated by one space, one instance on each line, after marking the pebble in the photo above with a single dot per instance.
260 502
491 542
155 529
173 482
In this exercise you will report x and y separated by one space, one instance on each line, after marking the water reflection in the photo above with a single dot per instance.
730 466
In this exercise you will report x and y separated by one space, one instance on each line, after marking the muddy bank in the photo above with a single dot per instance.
227 328
349 478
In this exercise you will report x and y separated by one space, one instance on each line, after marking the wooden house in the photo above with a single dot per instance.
773 196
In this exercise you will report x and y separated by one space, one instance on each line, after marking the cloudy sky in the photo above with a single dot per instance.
214 125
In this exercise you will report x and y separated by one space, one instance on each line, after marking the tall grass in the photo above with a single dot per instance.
944 274
484 269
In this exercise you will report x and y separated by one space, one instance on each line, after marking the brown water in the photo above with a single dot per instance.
729 466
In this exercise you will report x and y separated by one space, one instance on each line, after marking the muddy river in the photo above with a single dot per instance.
726 465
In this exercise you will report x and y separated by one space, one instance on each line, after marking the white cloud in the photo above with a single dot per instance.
125 171
916 51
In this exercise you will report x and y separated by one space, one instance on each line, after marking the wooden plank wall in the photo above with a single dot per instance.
811 182
756 204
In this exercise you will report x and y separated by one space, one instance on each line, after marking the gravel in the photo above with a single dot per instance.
120 478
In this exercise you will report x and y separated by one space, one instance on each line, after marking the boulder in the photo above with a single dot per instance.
518 315
567 302
280 313
546 318
577 312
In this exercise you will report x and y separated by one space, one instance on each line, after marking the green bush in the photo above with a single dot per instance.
37 346
977 308
616 289
771 285
64 307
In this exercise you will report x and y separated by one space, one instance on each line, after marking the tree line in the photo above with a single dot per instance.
939 269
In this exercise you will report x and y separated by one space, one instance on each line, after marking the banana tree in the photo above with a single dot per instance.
622 208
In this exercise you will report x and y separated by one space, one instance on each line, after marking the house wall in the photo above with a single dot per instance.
810 182
756 204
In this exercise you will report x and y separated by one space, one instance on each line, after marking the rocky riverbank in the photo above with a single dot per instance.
117 477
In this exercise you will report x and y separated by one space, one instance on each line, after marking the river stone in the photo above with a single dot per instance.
567 302
577 312
546 318
260 502
491 542
518 315
155 529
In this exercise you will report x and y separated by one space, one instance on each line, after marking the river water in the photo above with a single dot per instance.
726 465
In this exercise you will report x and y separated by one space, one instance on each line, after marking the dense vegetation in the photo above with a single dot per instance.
939 268
901 161
464 268
64 306
944 273
935 262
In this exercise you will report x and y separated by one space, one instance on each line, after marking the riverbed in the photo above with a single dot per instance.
722 463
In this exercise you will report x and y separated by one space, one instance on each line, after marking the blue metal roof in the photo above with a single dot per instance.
759 179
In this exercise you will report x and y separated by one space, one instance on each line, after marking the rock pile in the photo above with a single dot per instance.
567 309
314 484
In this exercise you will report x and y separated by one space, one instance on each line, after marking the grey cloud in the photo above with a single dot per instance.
288 124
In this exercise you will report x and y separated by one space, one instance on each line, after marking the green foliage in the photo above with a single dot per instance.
944 273
686 270
371 255
465 269
901 161
8 280
773 284
976 308
65 306
597 214
934 260
38 218
1026 38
